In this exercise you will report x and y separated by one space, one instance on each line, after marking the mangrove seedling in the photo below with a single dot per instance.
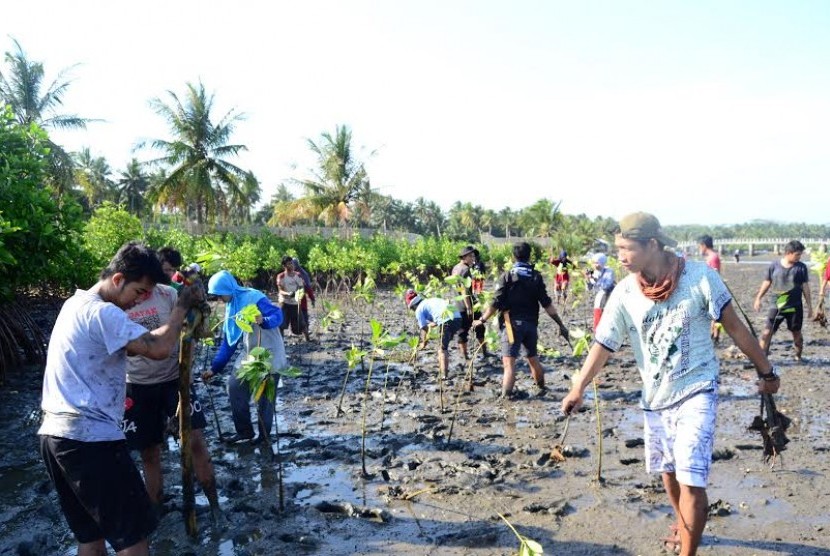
527 546
258 373
354 355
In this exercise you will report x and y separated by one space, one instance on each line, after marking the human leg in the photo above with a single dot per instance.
203 467
101 494
795 321
679 443
240 395
153 477
94 548
509 378
536 371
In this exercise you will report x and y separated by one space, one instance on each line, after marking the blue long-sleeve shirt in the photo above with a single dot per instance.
271 318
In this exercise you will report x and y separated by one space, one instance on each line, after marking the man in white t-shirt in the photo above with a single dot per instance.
663 308
99 488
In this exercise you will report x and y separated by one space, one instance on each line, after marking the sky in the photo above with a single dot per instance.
701 111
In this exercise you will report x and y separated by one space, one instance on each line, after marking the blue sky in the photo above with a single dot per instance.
703 112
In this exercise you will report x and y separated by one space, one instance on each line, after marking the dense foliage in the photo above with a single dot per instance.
39 237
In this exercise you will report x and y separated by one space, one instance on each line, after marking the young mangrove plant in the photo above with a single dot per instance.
354 355
581 346
381 341
257 371
527 546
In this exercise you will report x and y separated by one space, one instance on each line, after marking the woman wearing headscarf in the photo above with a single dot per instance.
265 333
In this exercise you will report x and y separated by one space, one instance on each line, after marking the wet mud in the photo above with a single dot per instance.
425 493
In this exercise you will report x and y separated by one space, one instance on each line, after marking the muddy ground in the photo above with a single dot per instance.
426 495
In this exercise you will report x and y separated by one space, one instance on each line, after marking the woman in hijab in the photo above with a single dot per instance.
265 333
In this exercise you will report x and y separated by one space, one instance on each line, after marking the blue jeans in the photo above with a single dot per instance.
240 397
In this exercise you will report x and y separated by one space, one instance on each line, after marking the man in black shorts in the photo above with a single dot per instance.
787 280
519 293
153 398
100 490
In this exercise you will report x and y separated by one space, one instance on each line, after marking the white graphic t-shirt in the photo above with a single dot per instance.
84 381
151 314
670 339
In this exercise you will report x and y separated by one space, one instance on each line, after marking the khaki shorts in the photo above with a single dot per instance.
679 439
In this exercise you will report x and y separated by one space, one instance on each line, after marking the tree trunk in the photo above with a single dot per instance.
188 492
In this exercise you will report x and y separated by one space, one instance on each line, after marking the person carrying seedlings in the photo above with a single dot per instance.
787 279
153 395
435 312
466 305
291 289
663 310
81 442
519 293
265 333
712 258
562 278
602 281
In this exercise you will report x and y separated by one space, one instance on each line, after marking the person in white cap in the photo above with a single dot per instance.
602 282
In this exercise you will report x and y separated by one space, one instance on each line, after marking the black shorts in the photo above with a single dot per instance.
100 490
291 316
793 316
467 324
448 330
148 409
525 333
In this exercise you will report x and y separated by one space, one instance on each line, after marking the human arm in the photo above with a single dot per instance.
220 360
270 315
760 295
597 357
805 287
551 311
749 345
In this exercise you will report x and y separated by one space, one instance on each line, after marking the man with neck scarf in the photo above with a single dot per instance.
265 334
520 292
663 309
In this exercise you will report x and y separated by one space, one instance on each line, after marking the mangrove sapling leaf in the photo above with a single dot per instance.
354 355
527 546
332 314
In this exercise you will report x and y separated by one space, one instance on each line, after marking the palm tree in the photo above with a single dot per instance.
132 186
22 88
92 174
541 218
428 216
338 178
200 180
242 199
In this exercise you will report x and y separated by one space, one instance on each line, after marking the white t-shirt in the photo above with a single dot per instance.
289 285
151 314
84 380
670 339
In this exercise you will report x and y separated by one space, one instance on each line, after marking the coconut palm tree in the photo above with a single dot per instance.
243 198
92 174
23 88
338 177
132 186
200 180
541 218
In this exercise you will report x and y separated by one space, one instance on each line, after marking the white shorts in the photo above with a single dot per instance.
679 439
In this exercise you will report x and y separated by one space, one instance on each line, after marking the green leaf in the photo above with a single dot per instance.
290 372
533 546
